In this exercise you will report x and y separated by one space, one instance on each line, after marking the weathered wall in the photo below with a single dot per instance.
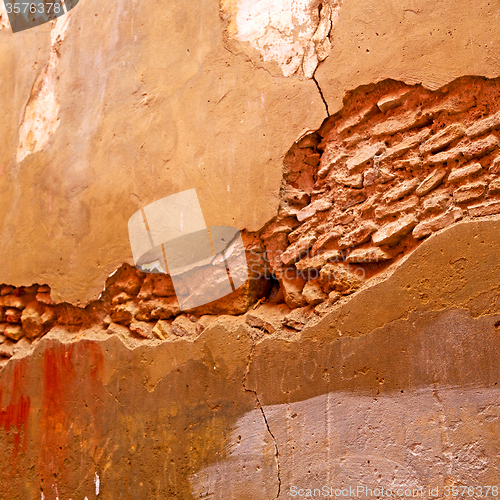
126 104
362 351
397 386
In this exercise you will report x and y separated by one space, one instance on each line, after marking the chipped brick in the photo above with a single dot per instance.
295 251
432 181
427 227
363 156
469 192
401 190
319 260
377 176
494 187
459 174
358 236
392 233
327 239
480 148
353 181
483 209
484 126
443 138
368 255
316 206
357 119
415 162
397 208
412 119
405 146
393 101
445 156
313 294
437 201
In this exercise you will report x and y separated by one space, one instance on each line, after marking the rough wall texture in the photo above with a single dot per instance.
363 350
395 386
141 105
349 357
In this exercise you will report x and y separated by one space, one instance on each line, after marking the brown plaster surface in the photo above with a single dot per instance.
176 419
150 104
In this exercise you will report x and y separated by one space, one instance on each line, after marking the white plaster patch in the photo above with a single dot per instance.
294 33
41 119
97 483
342 439
4 19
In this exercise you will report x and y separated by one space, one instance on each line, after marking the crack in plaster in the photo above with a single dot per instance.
322 96
275 442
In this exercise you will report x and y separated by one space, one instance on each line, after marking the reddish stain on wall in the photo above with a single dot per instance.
71 374
16 413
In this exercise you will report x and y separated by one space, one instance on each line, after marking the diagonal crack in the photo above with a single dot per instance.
276 449
322 96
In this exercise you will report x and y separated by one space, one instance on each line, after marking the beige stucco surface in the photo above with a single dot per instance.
145 103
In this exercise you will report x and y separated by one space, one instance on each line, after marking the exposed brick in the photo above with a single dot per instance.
124 313
292 290
410 120
438 201
494 187
353 199
443 138
427 227
368 255
338 278
14 332
327 239
432 181
480 148
491 208
143 329
452 106
377 176
469 192
401 190
364 155
12 315
313 294
405 146
397 208
308 227
354 140
319 260
312 159
494 168
358 236
316 206
357 119
14 301
459 174
415 162
445 156
294 252
328 163
393 101
295 197
392 233
353 181
484 126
